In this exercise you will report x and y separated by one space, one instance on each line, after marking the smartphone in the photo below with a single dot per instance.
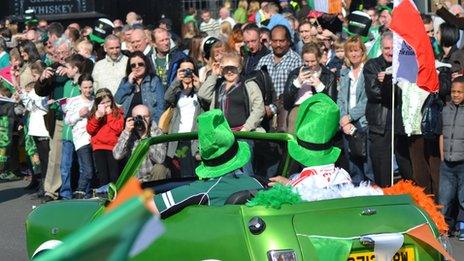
306 68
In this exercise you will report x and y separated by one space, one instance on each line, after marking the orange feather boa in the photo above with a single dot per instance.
423 200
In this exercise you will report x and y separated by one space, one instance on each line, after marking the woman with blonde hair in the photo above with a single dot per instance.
225 31
213 55
352 101
253 8
240 100
240 15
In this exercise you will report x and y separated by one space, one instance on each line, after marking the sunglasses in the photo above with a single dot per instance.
230 69
135 65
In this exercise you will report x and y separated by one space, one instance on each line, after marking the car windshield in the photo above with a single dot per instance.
269 157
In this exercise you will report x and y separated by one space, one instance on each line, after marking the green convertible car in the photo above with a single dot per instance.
303 231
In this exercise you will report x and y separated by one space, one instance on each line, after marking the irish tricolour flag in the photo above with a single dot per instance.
413 63
326 6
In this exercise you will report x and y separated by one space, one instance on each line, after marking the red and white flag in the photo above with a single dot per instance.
414 44
413 63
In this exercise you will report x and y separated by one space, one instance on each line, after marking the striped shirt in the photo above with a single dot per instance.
211 28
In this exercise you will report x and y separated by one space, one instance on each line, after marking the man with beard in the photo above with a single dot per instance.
279 63
109 71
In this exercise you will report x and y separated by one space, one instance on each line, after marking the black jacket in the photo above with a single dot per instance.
379 98
250 61
456 58
327 78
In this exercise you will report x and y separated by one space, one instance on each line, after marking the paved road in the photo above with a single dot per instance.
16 203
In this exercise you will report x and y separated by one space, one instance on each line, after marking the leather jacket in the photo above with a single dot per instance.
379 98
327 77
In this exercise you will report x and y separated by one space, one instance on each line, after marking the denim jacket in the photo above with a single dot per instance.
358 112
152 95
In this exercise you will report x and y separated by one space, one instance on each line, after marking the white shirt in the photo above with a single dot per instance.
186 107
108 73
38 107
354 86
228 19
211 27
79 125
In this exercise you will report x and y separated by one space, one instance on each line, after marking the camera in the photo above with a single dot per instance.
188 73
139 124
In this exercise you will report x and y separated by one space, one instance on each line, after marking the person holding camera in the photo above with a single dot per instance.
240 100
307 80
182 96
140 86
140 126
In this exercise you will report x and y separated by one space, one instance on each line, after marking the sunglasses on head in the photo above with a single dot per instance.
135 65
230 69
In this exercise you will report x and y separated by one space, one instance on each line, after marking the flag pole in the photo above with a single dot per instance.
396 49
392 159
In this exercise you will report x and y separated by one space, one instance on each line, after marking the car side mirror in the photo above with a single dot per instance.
112 192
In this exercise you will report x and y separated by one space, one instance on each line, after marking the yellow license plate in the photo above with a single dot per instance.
404 254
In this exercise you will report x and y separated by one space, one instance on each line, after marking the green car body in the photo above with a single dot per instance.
223 233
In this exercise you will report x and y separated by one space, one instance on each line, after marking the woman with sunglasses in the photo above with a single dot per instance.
241 102
140 87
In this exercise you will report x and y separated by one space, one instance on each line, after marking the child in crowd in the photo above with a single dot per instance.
6 129
36 129
77 110
452 155
75 66
105 124
85 48
336 63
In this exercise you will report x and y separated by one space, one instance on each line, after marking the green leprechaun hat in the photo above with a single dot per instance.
220 152
316 125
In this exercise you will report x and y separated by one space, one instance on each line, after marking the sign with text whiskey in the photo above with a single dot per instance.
52 7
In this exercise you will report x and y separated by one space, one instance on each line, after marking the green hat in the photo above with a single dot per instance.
220 152
316 125
381 8
102 29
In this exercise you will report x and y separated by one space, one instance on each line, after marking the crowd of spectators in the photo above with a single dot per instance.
79 99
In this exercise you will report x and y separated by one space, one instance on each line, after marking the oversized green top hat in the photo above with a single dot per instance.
316 125
220 152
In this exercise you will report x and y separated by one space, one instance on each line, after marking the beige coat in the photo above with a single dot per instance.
255 100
